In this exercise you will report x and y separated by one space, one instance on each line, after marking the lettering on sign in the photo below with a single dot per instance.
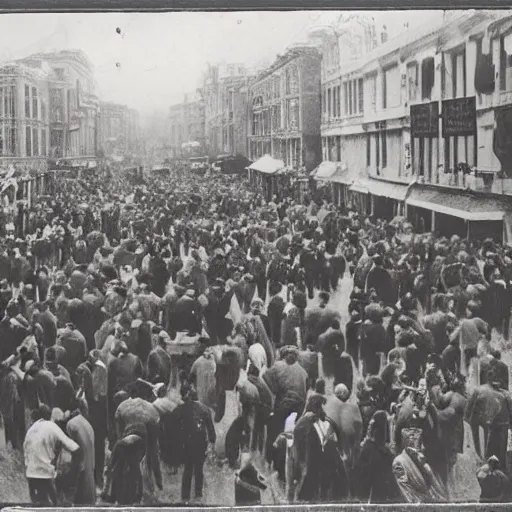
459 117
425 120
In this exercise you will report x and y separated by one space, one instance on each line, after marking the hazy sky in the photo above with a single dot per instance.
162 55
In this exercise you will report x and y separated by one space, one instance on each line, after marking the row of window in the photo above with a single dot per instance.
275 86
376 149
420 80
267 120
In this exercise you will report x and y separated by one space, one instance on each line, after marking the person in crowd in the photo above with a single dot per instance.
43 441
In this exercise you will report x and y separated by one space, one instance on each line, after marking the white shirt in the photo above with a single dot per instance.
42 443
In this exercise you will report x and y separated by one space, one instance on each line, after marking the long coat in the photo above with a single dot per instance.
81 431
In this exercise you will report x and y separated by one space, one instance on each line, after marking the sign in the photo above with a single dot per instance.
459 117
425 120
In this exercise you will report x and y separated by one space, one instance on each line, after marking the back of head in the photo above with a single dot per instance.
335 324
42 412
341 392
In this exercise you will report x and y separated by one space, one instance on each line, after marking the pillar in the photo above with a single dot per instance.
433 228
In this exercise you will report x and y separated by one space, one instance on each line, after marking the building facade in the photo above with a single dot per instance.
24 116
284 109
225 105
113 129
73 103
186 127
418 123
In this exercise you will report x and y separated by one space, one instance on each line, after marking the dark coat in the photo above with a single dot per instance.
275 317
373 477
159 364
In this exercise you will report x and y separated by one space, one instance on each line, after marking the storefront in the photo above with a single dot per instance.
467 215
359 197
388 199
267 175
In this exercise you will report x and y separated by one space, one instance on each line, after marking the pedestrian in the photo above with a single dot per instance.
43 441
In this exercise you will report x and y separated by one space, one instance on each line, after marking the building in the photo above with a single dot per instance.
225 105
186 127
418 125
73 104
284 109
134 136
24 116
113 130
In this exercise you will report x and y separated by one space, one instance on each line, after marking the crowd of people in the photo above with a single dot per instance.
364 400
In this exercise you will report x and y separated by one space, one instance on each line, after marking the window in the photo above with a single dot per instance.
354 99
28 141
377 151
427 77
459 74
506 62
34 103
360 88
391 87
372 92
384 150
350 102
412 81
338 101
345 86
43 110
324 100
27 101
329 103
35 142
368 150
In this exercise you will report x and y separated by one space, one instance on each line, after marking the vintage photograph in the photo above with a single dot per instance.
255 258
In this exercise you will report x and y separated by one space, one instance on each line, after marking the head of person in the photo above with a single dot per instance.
320 386
341 392
257 306
290 354
378 428
472 309
412 438
324 298
315 405
42 412
493 462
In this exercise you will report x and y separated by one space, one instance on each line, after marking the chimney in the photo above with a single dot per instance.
384 35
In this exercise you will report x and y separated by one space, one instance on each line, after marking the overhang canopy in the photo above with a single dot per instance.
395 191
463 206
325 170
360 186
267 165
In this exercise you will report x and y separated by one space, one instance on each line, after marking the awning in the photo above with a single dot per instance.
267 165
325 170
463 206
359 186
386 189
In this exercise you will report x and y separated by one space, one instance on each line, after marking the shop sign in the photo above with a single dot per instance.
459 117
425 120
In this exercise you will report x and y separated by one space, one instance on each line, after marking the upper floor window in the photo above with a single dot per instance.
27 101
371 88
354 97
391 87
412 81
506 62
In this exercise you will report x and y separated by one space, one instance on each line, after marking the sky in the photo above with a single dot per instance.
159 57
